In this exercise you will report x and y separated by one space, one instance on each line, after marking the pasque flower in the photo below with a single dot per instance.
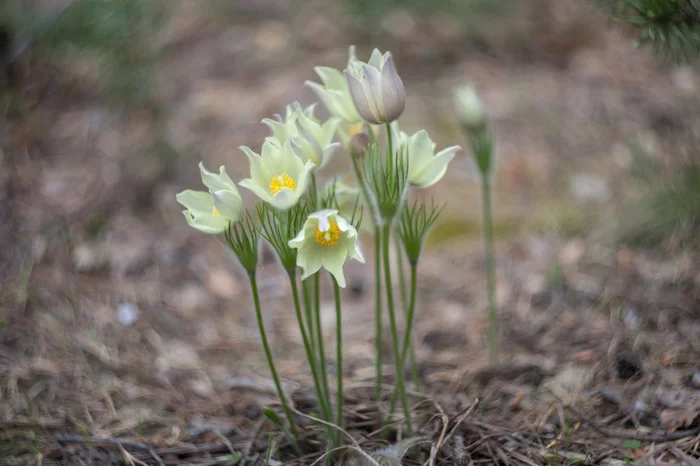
425 167
277 175
310 139
335 93
327 240
376 88
211 212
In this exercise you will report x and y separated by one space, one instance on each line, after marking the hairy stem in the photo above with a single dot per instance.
323 401
490 270
394 333
307 293
271 362
408 336
405 305
378 309
339 352
319 336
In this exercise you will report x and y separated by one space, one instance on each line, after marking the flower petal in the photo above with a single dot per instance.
436 169
333 260
284 199
393 94
372 82
228 204
310 259
206 223
196 201
360 99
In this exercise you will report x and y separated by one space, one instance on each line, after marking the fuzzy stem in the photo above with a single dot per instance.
377 275
319 336
408 336
314 191
390 150
309 354
394 333
306 291
378 309
490 269
339 352
406 306
271 362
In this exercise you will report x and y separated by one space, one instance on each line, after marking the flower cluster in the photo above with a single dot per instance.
312 226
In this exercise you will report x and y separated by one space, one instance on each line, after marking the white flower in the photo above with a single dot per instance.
311 139
211 212
335 93
327 240
469 110
376 88
277 176
425 167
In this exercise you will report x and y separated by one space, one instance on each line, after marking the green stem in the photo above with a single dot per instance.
377 275
390 151
314 191
309 355
490 270
339 352
271 362
306 291
405 307
394 333
408 336
319 336
378 309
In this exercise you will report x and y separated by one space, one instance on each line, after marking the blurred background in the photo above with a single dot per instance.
116 317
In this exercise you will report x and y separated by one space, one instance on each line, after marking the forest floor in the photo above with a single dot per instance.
119 322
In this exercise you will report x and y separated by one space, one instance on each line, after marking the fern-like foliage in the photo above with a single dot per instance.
671 27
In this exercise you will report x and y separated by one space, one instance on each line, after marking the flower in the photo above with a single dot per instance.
277 176
469 110
376 88
311 140
335 93
327 240
211 212
425 167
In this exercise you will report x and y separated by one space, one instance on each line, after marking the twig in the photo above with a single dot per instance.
111 441
668 437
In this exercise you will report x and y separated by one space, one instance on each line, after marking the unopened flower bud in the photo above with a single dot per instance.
469 110
376 88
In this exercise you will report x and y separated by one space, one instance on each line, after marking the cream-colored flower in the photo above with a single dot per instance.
335 92
469 109
425 167
311 139
211 212
277 175
327 240
376 88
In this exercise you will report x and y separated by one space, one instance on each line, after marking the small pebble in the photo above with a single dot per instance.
127 314
696 380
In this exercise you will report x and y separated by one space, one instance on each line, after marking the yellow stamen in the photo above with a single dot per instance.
280 182
215 212
328 237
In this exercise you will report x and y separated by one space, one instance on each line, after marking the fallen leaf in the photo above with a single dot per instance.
675 419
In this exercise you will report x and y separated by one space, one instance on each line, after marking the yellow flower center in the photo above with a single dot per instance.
329 237
280 182
215 213
354 129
